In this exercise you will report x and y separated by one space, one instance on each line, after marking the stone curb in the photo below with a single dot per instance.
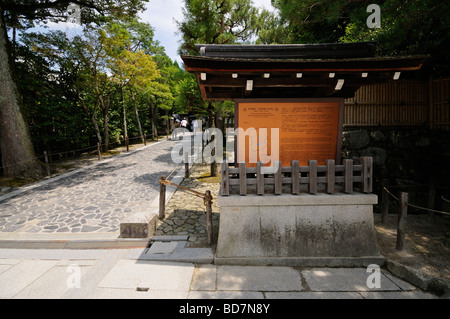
123 243
437 286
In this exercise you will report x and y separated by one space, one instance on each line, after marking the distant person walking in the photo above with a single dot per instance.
184 123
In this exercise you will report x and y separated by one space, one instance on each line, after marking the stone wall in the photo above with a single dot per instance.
410 156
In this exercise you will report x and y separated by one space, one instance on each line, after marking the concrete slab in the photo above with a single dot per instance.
344 279
9 261
113 293
204 278
16 278
163 251
53 284
397 295
52 254
258 278
162 248
170 238
130 274
313 295
225 295
90 281
4 267
404 285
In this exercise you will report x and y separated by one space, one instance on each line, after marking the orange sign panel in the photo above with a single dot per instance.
306 131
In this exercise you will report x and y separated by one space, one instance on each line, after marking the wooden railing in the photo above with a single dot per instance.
295 179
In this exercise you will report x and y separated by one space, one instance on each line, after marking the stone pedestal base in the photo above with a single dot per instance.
298 230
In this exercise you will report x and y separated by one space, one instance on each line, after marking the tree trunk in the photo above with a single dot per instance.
137 116
92 119
154 131
125 127
105 112
106 130
18 155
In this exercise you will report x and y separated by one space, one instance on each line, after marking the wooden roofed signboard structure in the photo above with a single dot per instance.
229 72
298 89
301 210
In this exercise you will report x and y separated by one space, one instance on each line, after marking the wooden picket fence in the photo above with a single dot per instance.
348 178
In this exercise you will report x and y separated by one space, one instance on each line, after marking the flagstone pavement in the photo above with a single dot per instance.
90 200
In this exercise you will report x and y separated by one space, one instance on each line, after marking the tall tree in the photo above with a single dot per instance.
133 68
18 155
407 26
217 22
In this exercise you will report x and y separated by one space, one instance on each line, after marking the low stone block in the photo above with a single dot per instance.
139 225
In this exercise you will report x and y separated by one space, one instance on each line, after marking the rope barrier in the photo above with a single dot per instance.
415 206
65 152
206 198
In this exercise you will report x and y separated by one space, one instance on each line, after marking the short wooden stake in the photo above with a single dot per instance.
384 200
99 153
162 198
47 165
186 165
225 186
401 223
209 223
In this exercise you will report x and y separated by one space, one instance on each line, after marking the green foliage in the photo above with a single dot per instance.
407 26
217 22
77 83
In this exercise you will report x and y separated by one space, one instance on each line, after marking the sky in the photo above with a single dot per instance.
161 14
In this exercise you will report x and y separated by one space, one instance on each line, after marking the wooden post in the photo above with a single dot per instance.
277 179
401 223
145 139
47 165
225 186
312 176
295 177
384 200
99 153
186 165
127 143
348 176
259 178
209 223
366 174
331 175
242 178
162 198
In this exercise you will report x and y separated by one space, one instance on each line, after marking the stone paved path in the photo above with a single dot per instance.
185 213
95 199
